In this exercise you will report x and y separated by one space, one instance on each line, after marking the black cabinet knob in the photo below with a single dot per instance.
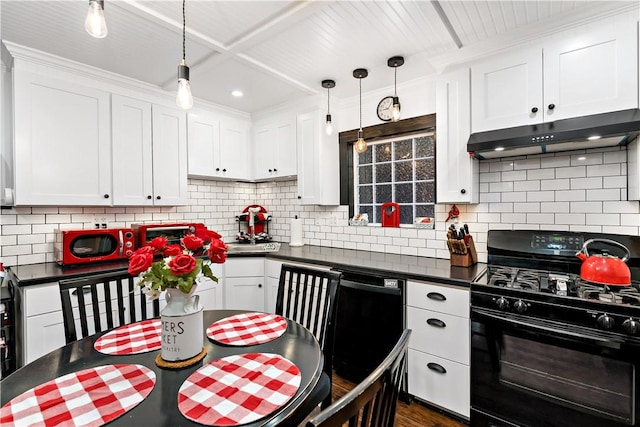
149 197
275 170
552 106
463 191
106 196
259 285
270 171
158 197
217 169
299 197
224 170
534 110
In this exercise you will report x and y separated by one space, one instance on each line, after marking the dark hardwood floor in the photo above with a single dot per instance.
412 415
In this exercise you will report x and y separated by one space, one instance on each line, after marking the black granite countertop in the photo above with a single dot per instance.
391 265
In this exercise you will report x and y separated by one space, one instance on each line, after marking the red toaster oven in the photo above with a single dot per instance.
93 245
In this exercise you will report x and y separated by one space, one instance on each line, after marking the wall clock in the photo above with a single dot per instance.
385 109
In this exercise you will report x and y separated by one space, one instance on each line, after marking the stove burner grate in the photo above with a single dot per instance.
629 295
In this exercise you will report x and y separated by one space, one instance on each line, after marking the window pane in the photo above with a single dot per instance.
425 169
425 146
406 214
377 209
404 193
383 193
383 152
366 194
383 172
365 157
425 210
365 174
404 171
425 192
403 149
368 209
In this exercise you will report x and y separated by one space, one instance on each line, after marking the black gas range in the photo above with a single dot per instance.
565 350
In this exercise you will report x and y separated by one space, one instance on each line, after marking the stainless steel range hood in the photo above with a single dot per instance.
599 130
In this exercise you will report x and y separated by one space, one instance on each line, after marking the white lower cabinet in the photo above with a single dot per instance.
438 367
244 283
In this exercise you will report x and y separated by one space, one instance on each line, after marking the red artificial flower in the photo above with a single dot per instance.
144 250
139 262
192 242
217 251
182 264
158 243
207 235
172 250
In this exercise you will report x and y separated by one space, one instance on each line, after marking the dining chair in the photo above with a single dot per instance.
308 296
372 402
110 299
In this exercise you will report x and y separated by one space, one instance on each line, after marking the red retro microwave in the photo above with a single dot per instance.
172 231
93 245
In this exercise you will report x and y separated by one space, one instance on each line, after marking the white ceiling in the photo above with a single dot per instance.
279 51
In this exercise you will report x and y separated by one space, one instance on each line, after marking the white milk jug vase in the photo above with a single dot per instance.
182 328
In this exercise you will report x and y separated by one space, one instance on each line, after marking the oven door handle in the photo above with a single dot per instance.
536 326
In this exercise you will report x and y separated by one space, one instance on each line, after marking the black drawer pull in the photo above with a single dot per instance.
436 323
436 296
437 368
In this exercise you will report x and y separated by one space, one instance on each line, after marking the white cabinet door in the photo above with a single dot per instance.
45 334
132 151
286 160
203 144
169 156
593 70
263 147
62 142
274 147
234 148
457 173
507 91
244 293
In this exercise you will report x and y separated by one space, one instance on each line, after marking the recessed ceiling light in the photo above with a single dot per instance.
591 138
237 93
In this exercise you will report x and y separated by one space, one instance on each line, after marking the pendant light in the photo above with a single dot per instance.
184 98
360 145
95 23
395 62
328 84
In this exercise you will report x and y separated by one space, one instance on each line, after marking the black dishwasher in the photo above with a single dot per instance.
369 321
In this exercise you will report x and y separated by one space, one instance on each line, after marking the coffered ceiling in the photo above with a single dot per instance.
278 51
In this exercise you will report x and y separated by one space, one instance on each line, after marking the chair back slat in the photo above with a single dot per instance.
372 403
307 295
101 302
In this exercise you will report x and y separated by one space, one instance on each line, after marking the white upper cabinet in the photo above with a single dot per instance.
62 142
169 156
274 146
587 70
457 174
149 153
217 146
318 162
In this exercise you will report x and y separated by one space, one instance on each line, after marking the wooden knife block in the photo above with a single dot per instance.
466 260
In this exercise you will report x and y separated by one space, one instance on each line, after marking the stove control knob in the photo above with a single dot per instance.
502 303
605 322
520 306
631 327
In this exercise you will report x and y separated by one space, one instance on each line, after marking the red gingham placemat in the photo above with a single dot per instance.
247 328
238 389
139 337
91 397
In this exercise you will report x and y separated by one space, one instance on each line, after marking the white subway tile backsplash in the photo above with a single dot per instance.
571 172
526 186
619 157
499 166
540 218
516 196
541 196
514 176
555 184
530 163
586 183
570 218
572 195
526 207
610 194
555 207
615 181
603 219
586 159
560 161
501 186
604 170
586 207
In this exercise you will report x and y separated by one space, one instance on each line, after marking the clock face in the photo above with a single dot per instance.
384 109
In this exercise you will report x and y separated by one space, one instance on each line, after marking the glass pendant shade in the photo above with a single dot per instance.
329 125
184 98
395 109
395 62
95 23
360 145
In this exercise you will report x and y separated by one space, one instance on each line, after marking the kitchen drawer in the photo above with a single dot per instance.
441 298
449 390
244 267
40 299
449 341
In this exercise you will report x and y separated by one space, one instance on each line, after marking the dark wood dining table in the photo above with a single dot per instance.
160 408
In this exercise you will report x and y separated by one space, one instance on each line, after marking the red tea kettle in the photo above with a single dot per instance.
604 269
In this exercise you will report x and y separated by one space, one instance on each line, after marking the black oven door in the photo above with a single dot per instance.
535 373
